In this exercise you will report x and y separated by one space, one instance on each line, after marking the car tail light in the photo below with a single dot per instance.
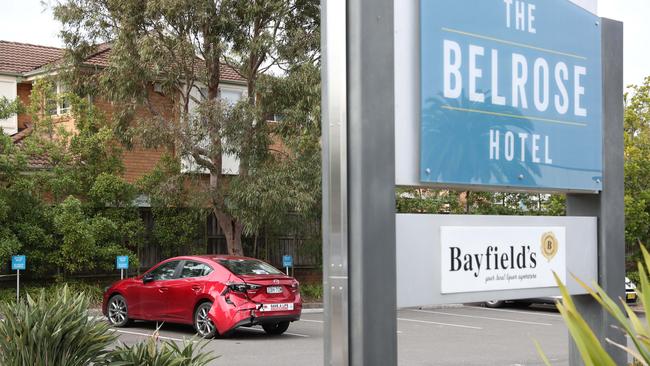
295 286
243 287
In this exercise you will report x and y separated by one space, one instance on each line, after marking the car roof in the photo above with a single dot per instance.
210 257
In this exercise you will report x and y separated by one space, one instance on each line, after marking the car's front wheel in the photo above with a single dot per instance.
202 322
276 328
118 311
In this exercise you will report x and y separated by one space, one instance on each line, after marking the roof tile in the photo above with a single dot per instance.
22 57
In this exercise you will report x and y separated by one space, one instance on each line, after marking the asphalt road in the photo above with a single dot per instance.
463 335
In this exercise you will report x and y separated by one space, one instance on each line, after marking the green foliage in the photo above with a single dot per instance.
636 329
55 331
312 292
637 169
76 213
9 108
180 45
423 200
93 290
155 353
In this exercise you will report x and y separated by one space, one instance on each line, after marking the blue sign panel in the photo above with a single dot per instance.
511 94
122 262
287 261
18 262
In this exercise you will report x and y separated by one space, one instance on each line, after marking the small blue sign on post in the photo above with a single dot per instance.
507 98
122 262
287 261
18 263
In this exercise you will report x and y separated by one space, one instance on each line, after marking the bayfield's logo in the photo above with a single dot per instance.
550 245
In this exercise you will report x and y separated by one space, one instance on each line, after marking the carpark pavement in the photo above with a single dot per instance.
457 335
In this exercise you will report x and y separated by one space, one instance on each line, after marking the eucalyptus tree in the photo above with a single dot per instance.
181 46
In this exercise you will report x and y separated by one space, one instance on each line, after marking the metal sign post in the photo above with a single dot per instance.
18 263
359 279
608 206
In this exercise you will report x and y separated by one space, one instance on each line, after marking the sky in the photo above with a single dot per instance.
27 21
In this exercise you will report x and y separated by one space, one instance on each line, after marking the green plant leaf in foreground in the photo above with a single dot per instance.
591 349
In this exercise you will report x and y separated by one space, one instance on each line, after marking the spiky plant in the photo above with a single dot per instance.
52 331
152 352
591 350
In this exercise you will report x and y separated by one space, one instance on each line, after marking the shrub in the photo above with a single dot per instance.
52 331
153 353
312 292
638 331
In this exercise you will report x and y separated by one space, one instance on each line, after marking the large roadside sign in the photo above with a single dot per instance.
511 94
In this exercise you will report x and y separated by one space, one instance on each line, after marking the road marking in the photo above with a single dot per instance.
311 321
515 311
482 317
436 323
149 335
287 333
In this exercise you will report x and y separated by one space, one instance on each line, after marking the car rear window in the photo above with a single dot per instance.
248 267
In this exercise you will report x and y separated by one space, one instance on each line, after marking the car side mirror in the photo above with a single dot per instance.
147 278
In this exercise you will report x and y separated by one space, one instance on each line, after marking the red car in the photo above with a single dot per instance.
215 293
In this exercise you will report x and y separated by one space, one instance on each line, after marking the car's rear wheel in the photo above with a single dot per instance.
494 304
202 322
118 311
276 328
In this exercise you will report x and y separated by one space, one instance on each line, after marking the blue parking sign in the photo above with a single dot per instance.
18 262
287 261
122 262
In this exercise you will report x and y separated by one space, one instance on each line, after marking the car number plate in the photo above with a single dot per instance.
277 307
631 296
274 290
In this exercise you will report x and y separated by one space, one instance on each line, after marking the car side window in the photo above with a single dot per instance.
195 269
165 271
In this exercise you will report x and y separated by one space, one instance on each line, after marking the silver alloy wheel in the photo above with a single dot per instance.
117 311
204 325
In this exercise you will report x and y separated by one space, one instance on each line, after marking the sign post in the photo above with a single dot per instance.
122 263
358 127
287 262
18 263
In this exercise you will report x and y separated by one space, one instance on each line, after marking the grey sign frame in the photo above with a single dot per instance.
359 181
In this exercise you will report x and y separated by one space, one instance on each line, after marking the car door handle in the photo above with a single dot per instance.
163 289
196 287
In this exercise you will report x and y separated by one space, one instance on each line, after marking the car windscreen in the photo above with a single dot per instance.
248 267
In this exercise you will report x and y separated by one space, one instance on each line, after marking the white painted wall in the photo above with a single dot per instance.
8 89
229 162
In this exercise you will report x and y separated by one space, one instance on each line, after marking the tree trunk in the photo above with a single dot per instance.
232 229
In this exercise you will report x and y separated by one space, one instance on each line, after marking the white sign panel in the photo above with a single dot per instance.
479 258
430 271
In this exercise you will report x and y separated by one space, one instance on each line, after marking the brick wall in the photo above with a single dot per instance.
138 161
24 91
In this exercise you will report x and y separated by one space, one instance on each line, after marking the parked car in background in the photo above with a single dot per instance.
630 297
215 293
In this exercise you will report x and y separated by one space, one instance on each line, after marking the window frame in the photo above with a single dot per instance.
60 102
174 276
180 269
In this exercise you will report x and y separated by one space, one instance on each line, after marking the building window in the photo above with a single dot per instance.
60 105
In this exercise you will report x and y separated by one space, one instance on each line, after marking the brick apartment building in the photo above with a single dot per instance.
21 64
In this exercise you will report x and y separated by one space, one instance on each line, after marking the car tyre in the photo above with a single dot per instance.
493 304
118 311
203 325
276 328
